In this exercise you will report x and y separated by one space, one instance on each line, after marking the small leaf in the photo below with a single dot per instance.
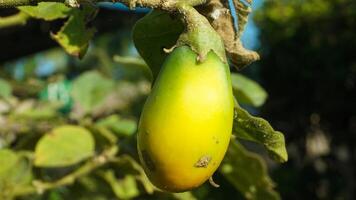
125 188
5 89
258 130
64 146
90 89
247 91
75 34
124 127
184 196
152 33
8 159
247 172
128 165
46 10
15 172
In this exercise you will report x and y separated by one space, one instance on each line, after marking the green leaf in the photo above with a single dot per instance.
5 89
152 33
8 159
184 196
123 127
15 172
47 10
128 165
90 89
42 112
247 91
64 146
75 34
247 172
258 130
125 188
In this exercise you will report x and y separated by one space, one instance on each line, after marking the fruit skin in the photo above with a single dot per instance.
186 122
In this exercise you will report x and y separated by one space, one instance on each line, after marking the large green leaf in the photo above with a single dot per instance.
258 130
15 172
64 146
247 172
5 89
247 91
47 10
155 31
90 90
75 34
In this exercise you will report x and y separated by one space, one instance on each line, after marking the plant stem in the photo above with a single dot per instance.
98 161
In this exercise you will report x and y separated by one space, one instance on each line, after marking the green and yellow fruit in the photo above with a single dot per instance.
186 122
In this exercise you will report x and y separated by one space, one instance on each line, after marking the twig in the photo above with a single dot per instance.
167 5
98 161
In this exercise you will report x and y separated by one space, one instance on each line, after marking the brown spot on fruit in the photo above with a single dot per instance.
203 162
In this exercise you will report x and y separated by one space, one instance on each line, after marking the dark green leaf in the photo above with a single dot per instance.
247 91
247 172
90 89
258 130
155 31
47 10
75 34
64 146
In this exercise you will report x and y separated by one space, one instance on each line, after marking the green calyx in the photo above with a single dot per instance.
199 35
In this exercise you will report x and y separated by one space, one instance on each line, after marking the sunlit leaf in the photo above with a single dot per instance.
125 188
115 123
75 34
258 130
5 89
247 91
64 146
15 172
155 31
47 10
90 90
247 172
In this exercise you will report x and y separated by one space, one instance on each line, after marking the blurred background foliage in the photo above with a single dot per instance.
308 69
